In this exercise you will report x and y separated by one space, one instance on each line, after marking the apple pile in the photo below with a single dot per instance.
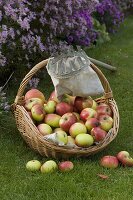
75 121
123 158
49 166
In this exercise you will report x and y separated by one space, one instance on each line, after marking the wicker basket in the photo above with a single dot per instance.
31 135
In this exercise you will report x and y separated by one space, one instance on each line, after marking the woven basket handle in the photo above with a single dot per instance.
107 90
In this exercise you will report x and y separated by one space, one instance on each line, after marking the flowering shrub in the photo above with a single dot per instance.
30 30
124 4
4 105
109 14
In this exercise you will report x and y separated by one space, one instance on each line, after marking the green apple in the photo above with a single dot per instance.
33 165
61 137
44 129
84 140
49 167
77 128
94 105
37 112
50 106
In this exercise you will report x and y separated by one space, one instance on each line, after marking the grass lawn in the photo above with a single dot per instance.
16 183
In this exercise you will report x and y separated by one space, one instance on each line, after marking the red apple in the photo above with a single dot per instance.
84 140
103 109
52 120
67 120
66 166
63 107
80 103
91 123
98 134
88 113
106 122
37 112
34 93
53 97
77 128
109 162
125 159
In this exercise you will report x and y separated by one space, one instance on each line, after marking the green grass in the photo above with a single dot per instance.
82 183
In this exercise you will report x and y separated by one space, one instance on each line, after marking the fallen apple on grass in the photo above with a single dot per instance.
109 162
33 165
66 166
125 159
49 167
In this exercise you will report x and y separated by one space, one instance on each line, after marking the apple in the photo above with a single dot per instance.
98 134
67 120
94 105
125 159
68 99
80 103
88 113
52 120
49 167
61 137
66 166
71 141
77 128
31 102
58 129
34 93
33 165
91 123
106 122
63 107
37 112
53 97
84 140
109 161
44 129
50 106
103 109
